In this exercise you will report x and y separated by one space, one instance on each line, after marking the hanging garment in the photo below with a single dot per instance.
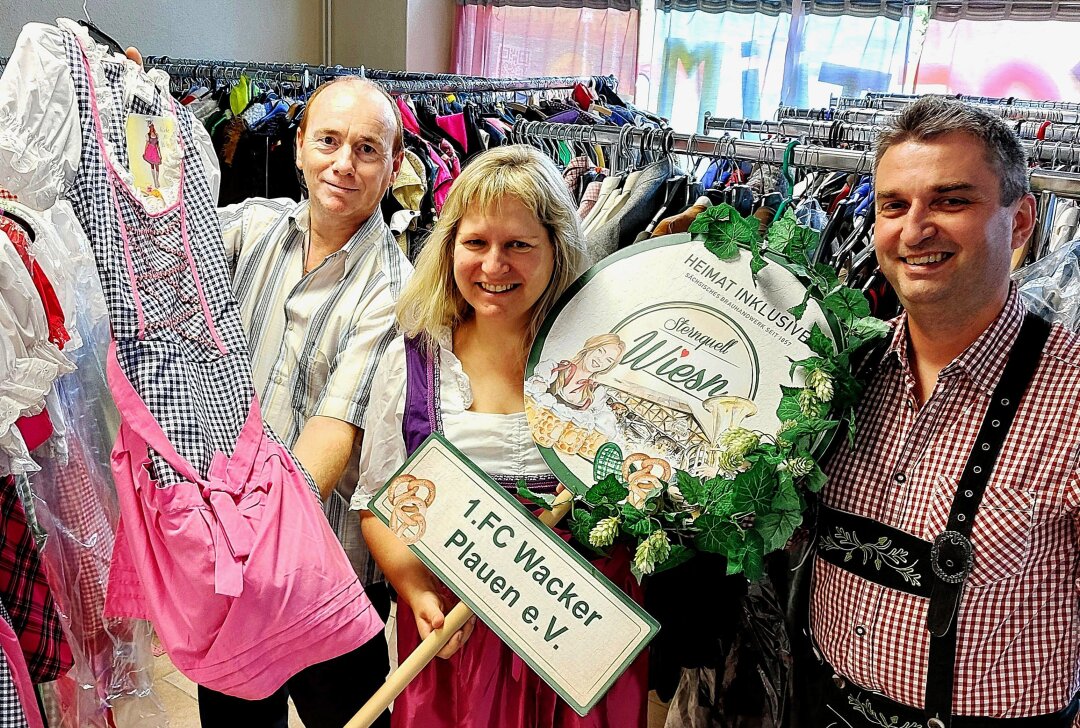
266 589
26 594
18 705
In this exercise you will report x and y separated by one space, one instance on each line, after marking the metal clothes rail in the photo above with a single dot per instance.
882 100
1045 142
877 107
394 81
666 141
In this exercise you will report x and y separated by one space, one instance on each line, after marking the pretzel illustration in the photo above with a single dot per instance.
409 496
646 478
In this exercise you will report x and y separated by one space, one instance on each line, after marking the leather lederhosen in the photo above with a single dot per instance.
933 570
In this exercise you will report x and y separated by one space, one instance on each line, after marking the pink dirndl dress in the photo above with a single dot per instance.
221 543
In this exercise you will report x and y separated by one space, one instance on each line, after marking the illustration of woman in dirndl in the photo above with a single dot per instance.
152 152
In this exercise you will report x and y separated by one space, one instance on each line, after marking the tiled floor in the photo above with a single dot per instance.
178 697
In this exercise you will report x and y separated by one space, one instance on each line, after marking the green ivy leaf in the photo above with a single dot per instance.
693 489
582 522
716 535
724 248
540 499
782 232
848 304
748 556
753 489
869 328
679 554
757 260
816 479
608 490
799 309
635 522
825 278
786 498
719 499
789 408
820 343
776 528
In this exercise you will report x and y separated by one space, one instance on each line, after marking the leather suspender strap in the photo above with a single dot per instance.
951 556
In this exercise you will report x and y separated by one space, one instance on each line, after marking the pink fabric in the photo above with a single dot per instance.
518 42
443 179
454 125
485 684
408 118
239 571
20 675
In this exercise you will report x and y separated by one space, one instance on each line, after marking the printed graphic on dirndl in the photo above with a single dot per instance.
146 135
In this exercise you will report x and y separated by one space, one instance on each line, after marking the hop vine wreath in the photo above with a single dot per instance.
757 498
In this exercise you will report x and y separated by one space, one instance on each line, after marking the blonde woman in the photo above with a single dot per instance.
507 245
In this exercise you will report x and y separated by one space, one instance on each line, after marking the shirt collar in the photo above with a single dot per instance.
984 360
300 217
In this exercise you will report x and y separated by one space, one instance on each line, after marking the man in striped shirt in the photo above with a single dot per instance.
945 582
317 282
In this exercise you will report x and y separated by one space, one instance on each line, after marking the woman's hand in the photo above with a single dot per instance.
133 54
427 609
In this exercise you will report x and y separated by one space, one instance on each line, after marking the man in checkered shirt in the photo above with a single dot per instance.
317 282
945 573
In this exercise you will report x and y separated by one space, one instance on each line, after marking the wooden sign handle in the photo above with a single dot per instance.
429 648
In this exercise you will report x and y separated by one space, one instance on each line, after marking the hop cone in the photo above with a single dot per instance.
739 441
821 383
809 402
603 533
798 467
731 462
651 552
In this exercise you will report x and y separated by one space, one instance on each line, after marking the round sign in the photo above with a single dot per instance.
657 351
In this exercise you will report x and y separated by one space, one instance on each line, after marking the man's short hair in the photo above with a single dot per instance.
934 116
399 132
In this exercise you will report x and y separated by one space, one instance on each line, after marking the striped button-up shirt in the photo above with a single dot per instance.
1018 648
315 339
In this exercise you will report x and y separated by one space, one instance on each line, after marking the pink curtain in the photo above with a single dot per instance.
517 42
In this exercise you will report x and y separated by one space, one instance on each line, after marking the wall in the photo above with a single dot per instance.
394 35
370 33
249 30
413 35
430 35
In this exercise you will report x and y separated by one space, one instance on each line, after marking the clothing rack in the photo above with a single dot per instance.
395 82
666 141
864 108
882 100
1044 141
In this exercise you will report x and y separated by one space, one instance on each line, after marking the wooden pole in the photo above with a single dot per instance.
434 642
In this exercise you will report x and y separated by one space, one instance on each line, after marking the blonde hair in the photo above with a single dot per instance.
431 301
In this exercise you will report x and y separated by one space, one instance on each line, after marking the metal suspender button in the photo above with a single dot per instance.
935 722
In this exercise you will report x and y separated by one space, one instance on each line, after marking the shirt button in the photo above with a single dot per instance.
860 630
900 478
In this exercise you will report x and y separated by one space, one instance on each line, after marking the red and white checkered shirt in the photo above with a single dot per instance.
1018 648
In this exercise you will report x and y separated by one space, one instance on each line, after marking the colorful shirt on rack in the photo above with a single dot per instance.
1018 647
315 339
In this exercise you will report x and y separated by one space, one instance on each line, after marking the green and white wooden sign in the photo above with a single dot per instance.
573 627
